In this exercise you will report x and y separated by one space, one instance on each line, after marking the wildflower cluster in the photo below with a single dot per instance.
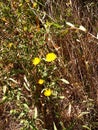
49 58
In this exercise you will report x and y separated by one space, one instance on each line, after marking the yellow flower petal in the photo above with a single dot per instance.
4 19
41 81
36 61
25 28
10 45
34 5
48 92
51 57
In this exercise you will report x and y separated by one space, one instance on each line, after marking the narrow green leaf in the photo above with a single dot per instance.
26 107
21 115
54 125
13 111
65 81
86 127
35 113
82 114
4 89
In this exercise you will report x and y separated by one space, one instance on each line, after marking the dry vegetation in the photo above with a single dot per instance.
66 97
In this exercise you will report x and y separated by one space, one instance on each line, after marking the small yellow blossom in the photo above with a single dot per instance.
51 57
36 61
4 19
10 45
48 92
25 28
34 5
41 81
20 4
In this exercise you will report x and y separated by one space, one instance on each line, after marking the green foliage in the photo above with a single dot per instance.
48 66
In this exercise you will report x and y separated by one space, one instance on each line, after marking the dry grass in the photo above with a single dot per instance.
74 105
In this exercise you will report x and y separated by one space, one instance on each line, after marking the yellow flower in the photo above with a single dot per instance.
41 81
4 19
34 5
51 57
10 45
25 28
48 92
36 61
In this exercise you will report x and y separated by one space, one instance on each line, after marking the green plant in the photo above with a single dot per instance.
48 65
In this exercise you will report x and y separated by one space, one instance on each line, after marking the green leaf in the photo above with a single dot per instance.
57 25
14 81
3 99
26 107
61 97
35 113
4 89
54 125
26 83
86 127
82 114
21 115
13 111
65 81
